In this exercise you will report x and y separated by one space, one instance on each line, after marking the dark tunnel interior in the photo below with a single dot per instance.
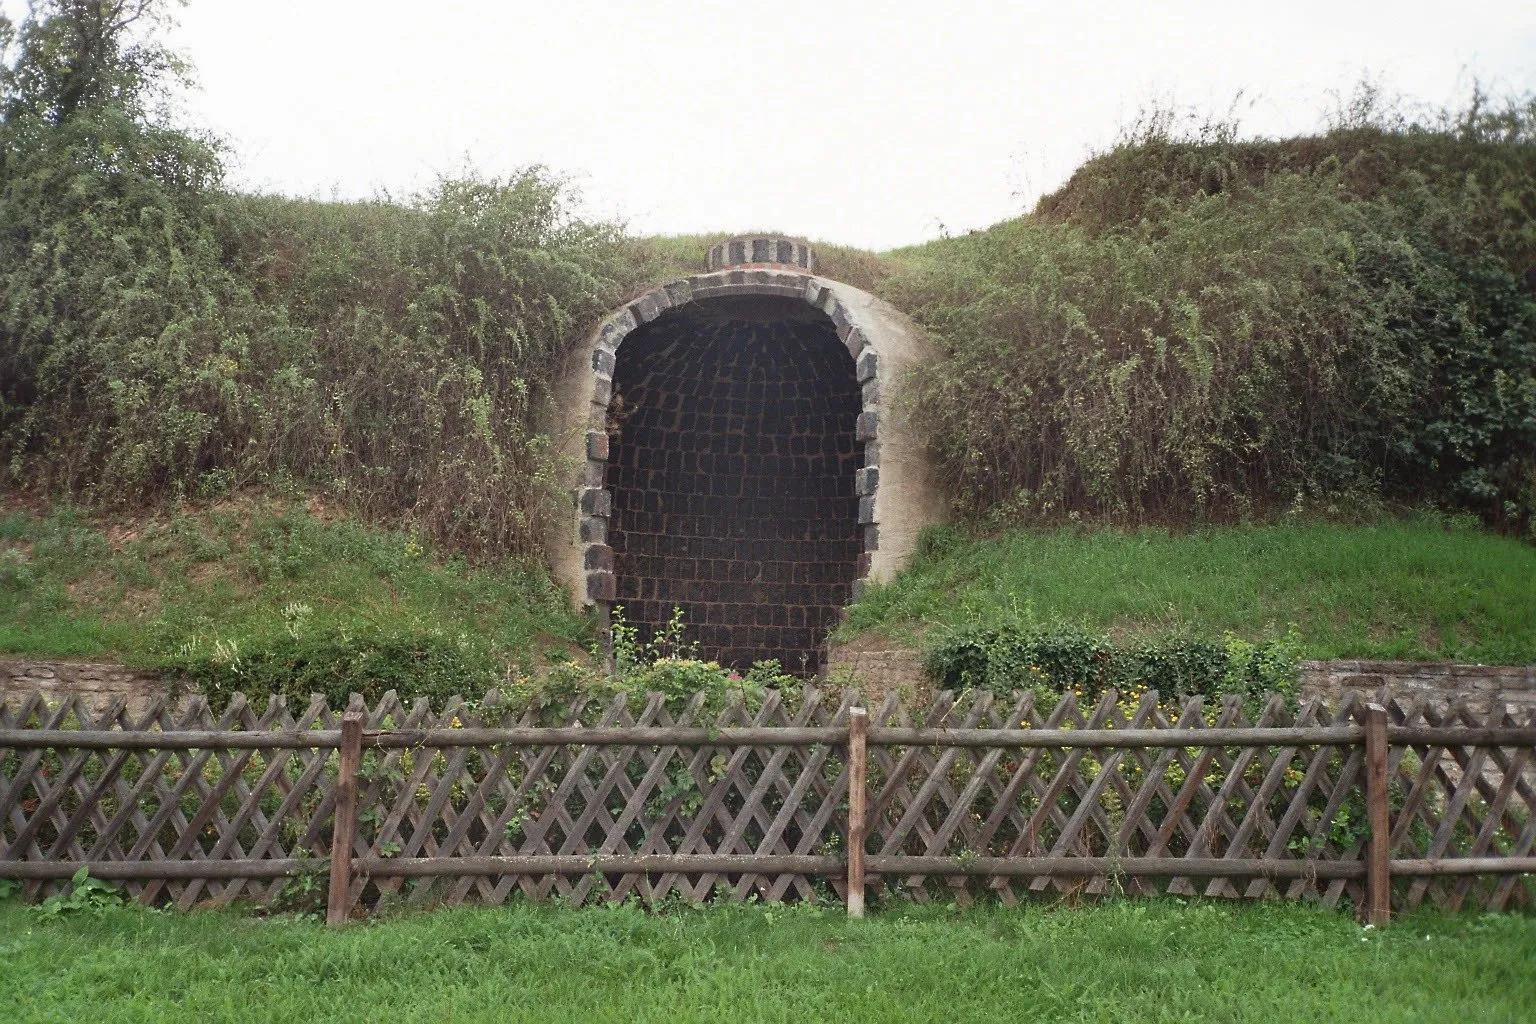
732 462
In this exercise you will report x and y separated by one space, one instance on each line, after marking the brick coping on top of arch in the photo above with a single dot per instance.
595 503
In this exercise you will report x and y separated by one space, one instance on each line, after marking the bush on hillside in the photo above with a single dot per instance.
1191 329
1475 162
422 662
335 663
1198 330
427 337
160 337
1006 657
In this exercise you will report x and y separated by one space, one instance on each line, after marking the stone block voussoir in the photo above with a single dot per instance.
854 339
867 426
787 280
594 530
623 321
650 305
595 501
643 309
610 335
680 293
598 558
602 586
842 318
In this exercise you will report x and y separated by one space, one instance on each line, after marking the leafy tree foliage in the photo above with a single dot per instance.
106 250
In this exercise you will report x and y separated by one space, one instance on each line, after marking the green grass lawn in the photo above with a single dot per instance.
260 574
1400 588
247 573
1118 962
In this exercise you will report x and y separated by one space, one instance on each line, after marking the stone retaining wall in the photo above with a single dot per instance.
1479 685
97 682
888 667
877 669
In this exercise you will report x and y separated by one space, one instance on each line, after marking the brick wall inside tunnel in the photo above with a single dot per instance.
731 464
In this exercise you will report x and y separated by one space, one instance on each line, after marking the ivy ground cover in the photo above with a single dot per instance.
1127 961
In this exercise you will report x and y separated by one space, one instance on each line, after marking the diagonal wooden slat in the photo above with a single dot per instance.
1234 788
1068 777
211 806
1494 819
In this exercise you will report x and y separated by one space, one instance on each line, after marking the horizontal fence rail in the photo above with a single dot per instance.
1385 805
103 739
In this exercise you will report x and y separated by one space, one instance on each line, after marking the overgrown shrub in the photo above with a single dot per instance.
679 679
1008 656
429 335
1473 163
338 662
1203 328
669 664
160 337
1195 327
425 662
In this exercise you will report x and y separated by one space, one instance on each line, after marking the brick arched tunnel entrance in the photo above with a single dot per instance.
732 464
736 454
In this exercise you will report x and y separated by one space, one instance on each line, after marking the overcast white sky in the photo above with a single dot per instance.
865 123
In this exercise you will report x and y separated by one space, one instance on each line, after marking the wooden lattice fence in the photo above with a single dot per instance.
639 798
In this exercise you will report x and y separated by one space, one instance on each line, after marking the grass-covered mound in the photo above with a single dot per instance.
1418 588
263 597
1122 962
1199 327
1195 327
164 338
271 597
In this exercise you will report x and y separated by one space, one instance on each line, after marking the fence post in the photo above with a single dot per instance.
344 823
1378 865
858 825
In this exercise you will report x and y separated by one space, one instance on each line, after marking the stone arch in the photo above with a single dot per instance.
895 494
